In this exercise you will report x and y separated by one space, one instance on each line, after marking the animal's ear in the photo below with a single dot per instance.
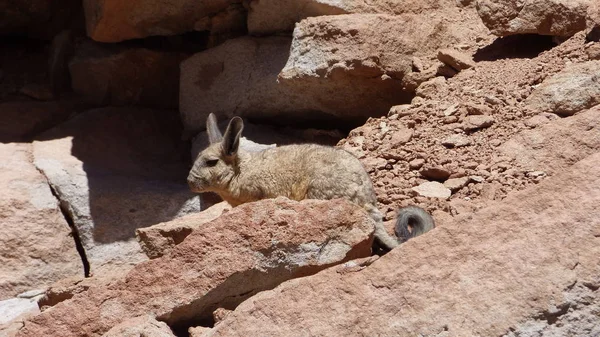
231 139
214 135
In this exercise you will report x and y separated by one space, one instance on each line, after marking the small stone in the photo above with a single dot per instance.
446 70
455 59
456 140
435 173
449 111
400 110
198 331
493 100
220 314
401 137
477 122
432 189
450 119
536 174
477 109
495 142
456 184
476 179
540 119
416 163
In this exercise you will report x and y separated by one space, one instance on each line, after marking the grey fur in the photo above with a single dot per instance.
415 218
306 171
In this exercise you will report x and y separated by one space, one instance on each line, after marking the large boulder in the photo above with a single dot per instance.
109 75
36 18
115 170
534 257
339 71
114 20
356 66
575 88
252 248
545 17
271 16
36 248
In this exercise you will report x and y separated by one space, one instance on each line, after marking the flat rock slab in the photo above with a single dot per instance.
115 170
481 275
254 247
36 248
575 88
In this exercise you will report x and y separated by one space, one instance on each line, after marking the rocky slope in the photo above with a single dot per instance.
483 112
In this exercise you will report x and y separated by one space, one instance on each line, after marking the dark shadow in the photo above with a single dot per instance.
515 46
134 169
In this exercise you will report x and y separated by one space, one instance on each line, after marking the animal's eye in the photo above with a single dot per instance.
211 162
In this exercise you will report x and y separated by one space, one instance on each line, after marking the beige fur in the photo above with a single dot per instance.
306 171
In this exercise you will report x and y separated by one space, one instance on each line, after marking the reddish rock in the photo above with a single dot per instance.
159 239
252 248
455 59
554 147
141 326
482 275
114 20
36 248
544 17
272 16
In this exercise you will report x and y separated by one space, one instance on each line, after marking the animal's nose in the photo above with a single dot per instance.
190 180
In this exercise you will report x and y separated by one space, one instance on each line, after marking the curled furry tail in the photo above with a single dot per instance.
412 221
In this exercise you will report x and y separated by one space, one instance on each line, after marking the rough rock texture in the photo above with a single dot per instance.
115 170
251 248
159 239
480 275
342 68
108 75
35 246
355 64
142 326
545 17
66 288
577 316
114 20
239 78
36 18
507 72
575 88
272 16
554 147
